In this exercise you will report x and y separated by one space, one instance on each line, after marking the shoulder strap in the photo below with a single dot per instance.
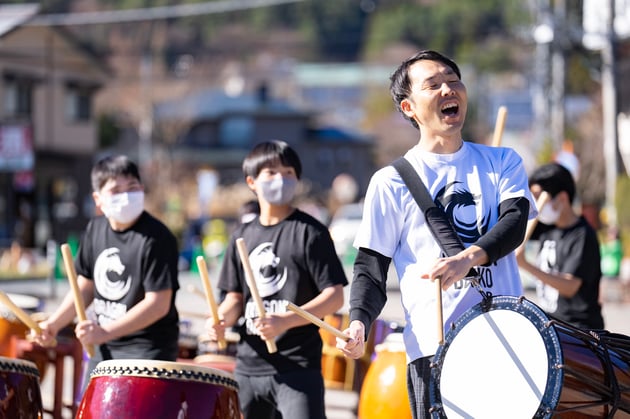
414 183
437 220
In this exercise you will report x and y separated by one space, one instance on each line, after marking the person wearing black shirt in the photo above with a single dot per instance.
568 267
293 260
127 270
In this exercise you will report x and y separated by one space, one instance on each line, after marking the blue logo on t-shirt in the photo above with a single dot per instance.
460 207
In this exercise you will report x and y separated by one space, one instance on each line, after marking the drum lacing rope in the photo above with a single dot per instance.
19 368
166 373
605 359
610 373
486 296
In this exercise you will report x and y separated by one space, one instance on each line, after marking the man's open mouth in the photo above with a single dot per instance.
450 109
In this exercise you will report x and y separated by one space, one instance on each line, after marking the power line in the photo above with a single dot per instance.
153 13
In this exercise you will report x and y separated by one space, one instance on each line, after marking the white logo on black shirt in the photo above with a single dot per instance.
110 278
268 271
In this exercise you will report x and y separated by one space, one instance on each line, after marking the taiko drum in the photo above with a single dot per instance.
158 389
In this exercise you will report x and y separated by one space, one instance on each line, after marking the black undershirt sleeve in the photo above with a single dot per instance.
368 292
509 231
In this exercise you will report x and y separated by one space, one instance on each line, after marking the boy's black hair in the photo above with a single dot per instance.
554 178
268 154
111 167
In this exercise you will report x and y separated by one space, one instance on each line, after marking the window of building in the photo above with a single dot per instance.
18 96
236 131
78 102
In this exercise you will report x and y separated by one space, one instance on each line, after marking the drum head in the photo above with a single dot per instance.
21 366
497 363
27 303
165 370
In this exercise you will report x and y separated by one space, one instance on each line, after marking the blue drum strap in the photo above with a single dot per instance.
438 222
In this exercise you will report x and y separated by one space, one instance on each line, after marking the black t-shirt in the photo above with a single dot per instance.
124 265
294 261
574 250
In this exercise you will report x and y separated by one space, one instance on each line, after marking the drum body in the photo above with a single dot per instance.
10 325
509 359
133 388
20 395
334 364
209 354
217 361
340 372
207 346
384 390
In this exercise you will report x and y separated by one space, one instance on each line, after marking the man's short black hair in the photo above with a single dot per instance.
554 178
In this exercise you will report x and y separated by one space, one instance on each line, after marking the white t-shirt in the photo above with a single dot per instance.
470 184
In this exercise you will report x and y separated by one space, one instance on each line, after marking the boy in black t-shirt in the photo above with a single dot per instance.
294 260
127 270
568 268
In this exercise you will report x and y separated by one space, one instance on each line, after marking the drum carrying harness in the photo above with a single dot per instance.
438 222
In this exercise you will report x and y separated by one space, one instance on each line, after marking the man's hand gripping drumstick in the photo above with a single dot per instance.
251 283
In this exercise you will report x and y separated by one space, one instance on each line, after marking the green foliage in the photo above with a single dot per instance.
108 131
483 31
459 29
546 152
579 77
399 23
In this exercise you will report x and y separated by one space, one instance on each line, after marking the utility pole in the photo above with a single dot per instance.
558 73
543 36
609 105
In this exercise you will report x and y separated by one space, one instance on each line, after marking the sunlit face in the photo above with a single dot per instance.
269 173
113 186
438 100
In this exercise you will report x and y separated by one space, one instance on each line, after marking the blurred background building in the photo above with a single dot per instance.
187 89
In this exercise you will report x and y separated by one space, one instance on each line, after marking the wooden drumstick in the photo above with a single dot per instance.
317 321
499 126
251 283
78 298
22 315
205 280
440 318
543 198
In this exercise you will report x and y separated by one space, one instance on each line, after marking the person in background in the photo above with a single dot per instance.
483 191
611 251
568 268
127 270
248 211
293 260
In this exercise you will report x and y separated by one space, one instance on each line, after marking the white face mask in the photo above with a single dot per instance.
548 215
123 207
277 191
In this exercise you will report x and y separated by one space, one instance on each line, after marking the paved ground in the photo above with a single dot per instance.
340 404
